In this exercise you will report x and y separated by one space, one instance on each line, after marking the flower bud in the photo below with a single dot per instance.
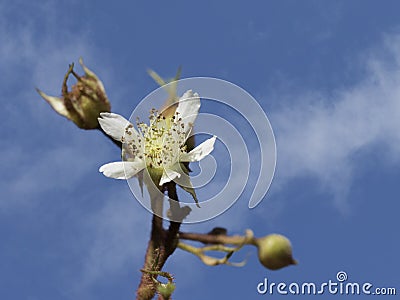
170 86
275 251
166 289
84 103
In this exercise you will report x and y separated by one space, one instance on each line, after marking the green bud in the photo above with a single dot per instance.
166 289
84 103
275 251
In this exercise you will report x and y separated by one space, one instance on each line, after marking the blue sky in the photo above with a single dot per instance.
327 75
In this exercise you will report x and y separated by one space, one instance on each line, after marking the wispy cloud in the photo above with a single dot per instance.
34 46
321 135
117 235
31 55
40 153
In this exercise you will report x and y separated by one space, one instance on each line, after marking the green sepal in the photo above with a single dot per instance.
188 185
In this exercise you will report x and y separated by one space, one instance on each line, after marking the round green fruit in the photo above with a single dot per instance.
275 251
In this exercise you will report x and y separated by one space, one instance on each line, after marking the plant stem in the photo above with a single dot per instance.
161 245
162 242
218 239
154 260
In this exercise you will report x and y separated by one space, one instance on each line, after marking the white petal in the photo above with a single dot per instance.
122 169
188 109
200 151
115 125
56 103
168 175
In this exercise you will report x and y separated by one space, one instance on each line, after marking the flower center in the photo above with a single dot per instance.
164 140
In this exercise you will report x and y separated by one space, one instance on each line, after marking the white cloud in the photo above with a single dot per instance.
43 154
39 43
321 135
118 233
31 55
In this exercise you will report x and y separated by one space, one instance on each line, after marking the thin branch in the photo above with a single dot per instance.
219 239
161 245
154 261
173 230
213 261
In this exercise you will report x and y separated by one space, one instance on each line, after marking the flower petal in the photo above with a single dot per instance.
56 103
200 151
117 126
122 169
188 109
169 175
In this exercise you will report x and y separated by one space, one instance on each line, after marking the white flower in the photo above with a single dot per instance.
160 146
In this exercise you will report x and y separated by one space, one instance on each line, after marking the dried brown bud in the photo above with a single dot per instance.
84 103
275 251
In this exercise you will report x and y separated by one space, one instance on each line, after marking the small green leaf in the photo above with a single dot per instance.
192 192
